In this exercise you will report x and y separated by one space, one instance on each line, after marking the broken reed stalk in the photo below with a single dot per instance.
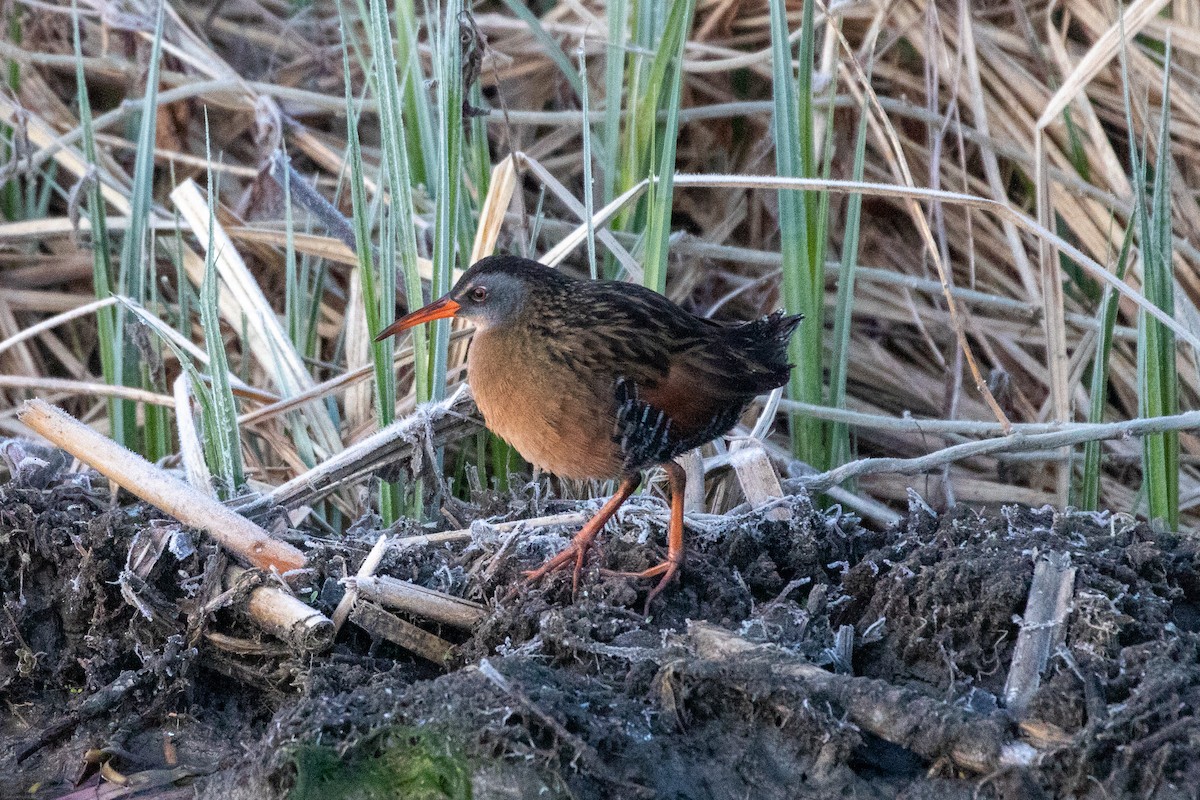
466 534
235 533
406 438
365 570
419 601
285 617
693 493
382 624
759 481
930 728
1043 627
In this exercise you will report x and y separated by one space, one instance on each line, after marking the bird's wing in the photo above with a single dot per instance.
679 380
712 373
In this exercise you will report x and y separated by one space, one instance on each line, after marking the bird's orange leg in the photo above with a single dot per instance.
677 480
587 534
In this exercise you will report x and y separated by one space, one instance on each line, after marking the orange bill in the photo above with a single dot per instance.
438 309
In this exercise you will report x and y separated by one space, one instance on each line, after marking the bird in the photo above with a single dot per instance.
595 379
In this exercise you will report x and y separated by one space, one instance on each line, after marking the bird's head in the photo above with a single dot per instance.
491 294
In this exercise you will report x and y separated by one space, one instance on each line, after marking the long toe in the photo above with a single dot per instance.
653 572
668 574
577 573
556 563
667 569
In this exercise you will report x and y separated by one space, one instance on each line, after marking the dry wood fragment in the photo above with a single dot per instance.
1045 735
759 481
284 616
693 492
246 647
1042 627
385 625
420 601
232 531
930 728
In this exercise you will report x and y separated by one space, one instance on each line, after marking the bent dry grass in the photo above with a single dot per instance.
1057 158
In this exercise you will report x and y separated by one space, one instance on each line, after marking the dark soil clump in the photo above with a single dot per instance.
799 658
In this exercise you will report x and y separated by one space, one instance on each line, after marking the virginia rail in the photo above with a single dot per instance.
602 379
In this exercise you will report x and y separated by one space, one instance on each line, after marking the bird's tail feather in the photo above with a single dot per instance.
766 340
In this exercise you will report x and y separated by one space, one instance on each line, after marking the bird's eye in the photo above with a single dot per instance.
479 294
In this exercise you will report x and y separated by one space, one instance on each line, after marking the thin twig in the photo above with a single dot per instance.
1077 434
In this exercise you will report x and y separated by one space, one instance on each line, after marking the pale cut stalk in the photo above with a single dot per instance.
235 533
303 628
759 481
1043 628
377 622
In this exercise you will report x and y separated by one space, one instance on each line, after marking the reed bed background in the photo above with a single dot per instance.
982 208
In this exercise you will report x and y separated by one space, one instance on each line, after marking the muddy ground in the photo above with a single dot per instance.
800 658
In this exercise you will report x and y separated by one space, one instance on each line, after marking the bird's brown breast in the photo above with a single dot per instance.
540 405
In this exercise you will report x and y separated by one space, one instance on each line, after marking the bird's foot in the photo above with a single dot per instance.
576 551
587 534
667 569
